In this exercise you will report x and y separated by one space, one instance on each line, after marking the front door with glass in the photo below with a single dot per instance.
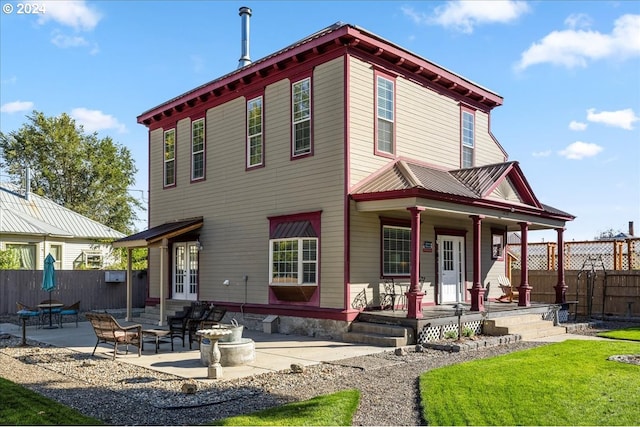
185 271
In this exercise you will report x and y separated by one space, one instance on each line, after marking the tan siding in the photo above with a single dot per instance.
236 203
487 151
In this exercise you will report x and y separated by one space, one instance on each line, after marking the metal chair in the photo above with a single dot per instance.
69 310
26 312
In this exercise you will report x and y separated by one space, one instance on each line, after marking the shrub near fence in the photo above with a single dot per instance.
87 286
614 294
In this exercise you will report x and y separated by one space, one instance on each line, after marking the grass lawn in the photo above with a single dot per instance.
21 406
568 383
335 409
631 334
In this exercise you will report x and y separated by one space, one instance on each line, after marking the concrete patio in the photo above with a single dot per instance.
274 352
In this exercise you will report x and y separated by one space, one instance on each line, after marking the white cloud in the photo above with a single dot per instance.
577 126
579 150
546 153
95 120
16 106
622 118
465 15
9 81
63 41
576 48
578 20
75 14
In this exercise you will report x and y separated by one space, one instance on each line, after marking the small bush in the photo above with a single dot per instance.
467 332
451 335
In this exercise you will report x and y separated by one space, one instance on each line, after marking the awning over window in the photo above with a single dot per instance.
286 230
155 234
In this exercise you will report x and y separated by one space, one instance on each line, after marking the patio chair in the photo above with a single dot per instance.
508 291
109 331
69 310
388 298
181 324
26 312
213 316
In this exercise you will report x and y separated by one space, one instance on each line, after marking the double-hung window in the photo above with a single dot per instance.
468 138
169 157
301 120
197 150
254 132
385 107
396 250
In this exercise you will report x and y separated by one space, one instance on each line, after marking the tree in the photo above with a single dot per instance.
79 171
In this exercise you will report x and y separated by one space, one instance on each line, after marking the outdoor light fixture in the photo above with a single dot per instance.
459 311
199 245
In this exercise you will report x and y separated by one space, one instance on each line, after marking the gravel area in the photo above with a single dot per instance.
122 394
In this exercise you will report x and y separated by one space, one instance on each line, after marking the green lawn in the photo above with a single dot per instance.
630 334
568 383
335 409
21 406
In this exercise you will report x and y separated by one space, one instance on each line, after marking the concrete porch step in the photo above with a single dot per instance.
527 326
379 334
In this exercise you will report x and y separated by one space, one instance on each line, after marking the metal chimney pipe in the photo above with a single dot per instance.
27 183
630 228
245 13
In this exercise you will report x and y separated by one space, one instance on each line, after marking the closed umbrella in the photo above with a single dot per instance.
49 281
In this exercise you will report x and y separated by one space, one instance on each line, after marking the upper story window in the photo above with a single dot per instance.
197 149
385 112
254 132
301 108
468 138
170 157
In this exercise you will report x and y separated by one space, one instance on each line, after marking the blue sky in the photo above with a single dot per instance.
569 73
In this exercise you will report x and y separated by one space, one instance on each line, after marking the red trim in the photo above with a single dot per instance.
377 73
347 183
204 148
303 76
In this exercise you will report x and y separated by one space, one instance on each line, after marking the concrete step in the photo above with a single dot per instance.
527 326
374 339
379 334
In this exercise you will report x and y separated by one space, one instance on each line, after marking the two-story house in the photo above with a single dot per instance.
298 183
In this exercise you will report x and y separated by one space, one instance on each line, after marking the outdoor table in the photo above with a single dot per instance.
158 336
49 307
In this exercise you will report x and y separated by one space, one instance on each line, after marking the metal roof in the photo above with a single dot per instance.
159 232
36 215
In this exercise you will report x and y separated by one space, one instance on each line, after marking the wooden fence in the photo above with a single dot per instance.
87 286
600 293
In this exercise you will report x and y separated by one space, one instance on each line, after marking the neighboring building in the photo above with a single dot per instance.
299 183
35 226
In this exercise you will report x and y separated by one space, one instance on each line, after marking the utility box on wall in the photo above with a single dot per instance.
115 276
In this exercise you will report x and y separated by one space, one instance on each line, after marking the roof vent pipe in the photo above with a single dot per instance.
27 183
245 13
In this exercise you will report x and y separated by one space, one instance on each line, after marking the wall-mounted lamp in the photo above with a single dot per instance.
199 245
226 282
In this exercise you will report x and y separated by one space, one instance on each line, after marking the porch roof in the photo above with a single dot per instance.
159 232
480 189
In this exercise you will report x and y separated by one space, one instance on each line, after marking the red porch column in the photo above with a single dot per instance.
477 291
524 297
561 287
414 294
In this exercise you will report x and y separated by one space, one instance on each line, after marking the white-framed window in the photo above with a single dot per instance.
301 120
26 254
385 107
169 154
56 253
254 132
396 250
197 149
293 261
468 138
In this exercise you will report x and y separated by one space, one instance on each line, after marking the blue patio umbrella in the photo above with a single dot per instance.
49 275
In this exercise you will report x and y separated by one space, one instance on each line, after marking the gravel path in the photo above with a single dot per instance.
124 394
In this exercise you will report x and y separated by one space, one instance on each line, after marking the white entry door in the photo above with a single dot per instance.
451 269
185 271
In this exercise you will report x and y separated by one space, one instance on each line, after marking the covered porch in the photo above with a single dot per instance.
495 197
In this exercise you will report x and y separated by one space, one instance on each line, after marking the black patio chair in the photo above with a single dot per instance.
69 310
213 316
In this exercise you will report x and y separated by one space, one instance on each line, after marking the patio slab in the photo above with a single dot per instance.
274 352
